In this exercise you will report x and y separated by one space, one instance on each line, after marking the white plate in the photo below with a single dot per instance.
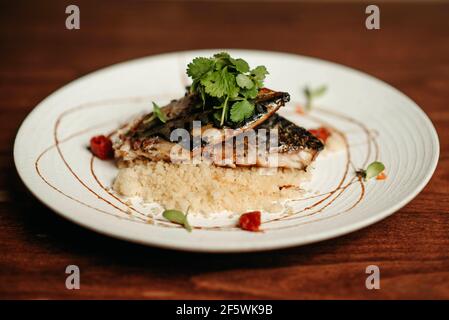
379 122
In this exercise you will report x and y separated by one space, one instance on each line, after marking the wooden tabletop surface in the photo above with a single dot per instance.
38 55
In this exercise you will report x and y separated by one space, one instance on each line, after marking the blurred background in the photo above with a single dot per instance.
38 55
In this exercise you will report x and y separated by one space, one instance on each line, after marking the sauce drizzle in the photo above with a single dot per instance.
140 217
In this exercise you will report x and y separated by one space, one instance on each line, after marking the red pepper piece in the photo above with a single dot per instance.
321 133
250 221
101 146
381 176
299 109
264 90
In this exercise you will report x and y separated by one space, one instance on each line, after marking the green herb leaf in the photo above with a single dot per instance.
199 67
187 225
222 60
313 93
178 217
244 81
319 91
249 93
259 72
241 110
174 216
374 169
213 85
158 112
241 65
307 92
219 84
222 55
222 79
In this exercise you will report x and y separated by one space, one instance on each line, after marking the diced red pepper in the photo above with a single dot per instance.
101 146
250 221
299 109
321 133
381 176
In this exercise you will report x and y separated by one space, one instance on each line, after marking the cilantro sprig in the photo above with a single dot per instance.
227 85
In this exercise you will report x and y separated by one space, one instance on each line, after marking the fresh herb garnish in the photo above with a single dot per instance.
157 113
373 170
241 110
178 217
312 94
226 84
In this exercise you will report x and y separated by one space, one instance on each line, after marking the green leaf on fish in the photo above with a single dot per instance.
223 81
241 110
158 112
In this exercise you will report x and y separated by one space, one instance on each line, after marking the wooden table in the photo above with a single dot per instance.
38 55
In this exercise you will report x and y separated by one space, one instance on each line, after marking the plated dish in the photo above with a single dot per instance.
247 150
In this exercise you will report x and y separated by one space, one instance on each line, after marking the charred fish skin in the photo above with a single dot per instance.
266 104
290 147
295 146
183 112
291 136
177 110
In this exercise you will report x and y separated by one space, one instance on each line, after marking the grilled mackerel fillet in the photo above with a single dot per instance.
149 139
181 113
296 147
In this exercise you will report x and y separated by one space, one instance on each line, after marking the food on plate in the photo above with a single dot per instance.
101 146
150 139
250 221
177 217
374 169
222 147
381 176
208 188
297 147
225 102
311 94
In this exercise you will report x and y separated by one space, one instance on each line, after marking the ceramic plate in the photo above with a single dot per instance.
377 122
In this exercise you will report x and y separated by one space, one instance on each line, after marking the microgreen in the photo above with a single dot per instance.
373 170
226 84
311 94
157 113
178 217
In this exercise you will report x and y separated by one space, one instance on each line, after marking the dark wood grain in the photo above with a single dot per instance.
38 55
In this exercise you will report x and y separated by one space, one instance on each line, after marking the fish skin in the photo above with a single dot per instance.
291 136
296 148
176 109
181 114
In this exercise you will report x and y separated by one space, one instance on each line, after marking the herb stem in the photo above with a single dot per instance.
148 120
225 109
